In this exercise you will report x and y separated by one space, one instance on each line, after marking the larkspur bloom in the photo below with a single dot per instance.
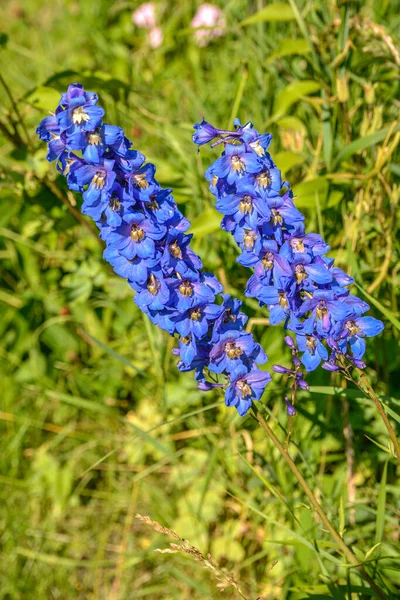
293 276
147 244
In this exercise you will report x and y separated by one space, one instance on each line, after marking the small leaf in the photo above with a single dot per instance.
391 412
44 98
363 143
335 197
291 94
287 160
272 12
370 551
288 47
306 192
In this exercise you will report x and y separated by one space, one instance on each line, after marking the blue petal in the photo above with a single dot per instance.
370 326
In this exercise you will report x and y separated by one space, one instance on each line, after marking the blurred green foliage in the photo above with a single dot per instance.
97 424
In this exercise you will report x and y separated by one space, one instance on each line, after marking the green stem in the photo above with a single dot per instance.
16 110
365 386
317 507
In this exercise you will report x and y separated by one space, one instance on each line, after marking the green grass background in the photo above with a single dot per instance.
96 422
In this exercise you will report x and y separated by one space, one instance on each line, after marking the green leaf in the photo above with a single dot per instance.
293 93
306 192
379 445
287 160
288 47
391 412
371 550
44 98
363 143
208 222
327 136
272 12
334 198
380 514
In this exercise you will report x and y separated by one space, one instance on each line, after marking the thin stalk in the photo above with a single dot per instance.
16 109
317 507
365 386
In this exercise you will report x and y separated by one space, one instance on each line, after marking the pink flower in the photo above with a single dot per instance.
156 37
210 17
145 16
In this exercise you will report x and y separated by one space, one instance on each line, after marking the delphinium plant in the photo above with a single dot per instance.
293 276
147 243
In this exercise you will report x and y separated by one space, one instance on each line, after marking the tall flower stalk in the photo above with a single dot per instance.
293 276
147 244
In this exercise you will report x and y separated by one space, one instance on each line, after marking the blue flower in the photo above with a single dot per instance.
245 386
204 133
268 264
230 319
308 273
354 332
99 179
191 290
196 321
145 232
49 132
94 144
233 348
178 256
310 244
78 111
245 206
136 236
142 180
155 293
235 163
158 205
111 203
314 351
326 310
135 270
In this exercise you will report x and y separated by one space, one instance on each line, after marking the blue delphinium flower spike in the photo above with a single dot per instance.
292 276
147 244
